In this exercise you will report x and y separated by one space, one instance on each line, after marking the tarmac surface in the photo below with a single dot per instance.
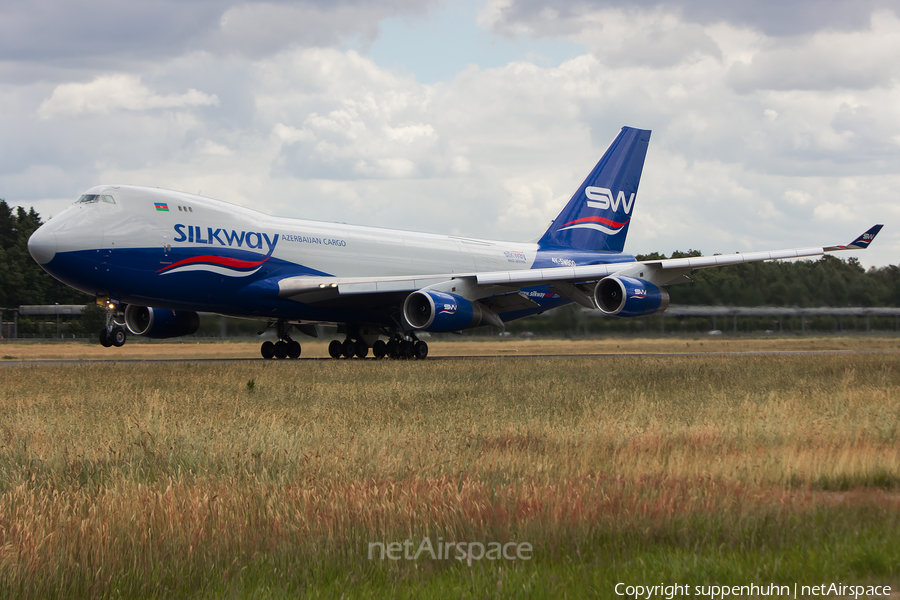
499 356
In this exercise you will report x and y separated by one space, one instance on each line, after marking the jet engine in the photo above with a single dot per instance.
440 312
160 323
629 297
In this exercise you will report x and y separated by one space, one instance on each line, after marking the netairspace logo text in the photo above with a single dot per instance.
720 592
467 551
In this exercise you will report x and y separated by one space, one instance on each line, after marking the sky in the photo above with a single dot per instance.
775 124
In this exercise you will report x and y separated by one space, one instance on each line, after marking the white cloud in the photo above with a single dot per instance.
797 197
108 93
655 38
409 133
773 18
826 60
290 135
212 148
767 210
129 35
832 211
529 205
351 120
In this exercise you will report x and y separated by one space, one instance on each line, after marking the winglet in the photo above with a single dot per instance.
860 243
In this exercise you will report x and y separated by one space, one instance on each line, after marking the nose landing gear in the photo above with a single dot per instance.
113 333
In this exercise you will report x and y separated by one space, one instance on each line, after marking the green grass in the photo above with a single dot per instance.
270 479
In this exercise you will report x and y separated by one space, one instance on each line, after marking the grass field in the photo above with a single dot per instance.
273 479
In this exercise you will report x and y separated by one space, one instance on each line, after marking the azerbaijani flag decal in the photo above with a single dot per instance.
161 206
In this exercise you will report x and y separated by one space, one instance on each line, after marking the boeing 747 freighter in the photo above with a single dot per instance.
155 258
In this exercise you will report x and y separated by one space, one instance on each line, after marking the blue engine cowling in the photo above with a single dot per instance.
440 312
629 297
160 323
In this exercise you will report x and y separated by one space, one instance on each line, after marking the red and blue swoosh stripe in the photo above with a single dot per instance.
599 223
233 267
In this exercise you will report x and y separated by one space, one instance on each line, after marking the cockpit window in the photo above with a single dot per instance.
93 198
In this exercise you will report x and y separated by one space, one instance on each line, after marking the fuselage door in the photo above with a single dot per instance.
166 248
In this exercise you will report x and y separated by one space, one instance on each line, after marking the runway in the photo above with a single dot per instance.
499 356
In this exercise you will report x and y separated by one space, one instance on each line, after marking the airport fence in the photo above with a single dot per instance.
63 322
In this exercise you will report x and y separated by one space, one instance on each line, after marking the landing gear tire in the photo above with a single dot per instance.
267 350
393 349
104 338
407 349
379 349
117 337
280 349
348 348
361 349
335 349
293 349
420 350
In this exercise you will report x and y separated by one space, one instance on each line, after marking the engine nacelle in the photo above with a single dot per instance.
160 323
629 297
440 312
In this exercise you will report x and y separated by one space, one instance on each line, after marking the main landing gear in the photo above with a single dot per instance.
113 333
285 347
359 342
348 349
397 347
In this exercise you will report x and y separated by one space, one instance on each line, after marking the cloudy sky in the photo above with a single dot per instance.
775 124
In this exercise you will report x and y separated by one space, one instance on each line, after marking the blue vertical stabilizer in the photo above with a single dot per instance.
597 216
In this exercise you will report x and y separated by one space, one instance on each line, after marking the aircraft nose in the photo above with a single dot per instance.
42 245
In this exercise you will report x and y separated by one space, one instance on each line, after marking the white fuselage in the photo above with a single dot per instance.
332 248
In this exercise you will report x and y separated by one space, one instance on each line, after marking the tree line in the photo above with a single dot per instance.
829 281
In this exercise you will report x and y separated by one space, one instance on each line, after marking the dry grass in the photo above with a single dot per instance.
170 479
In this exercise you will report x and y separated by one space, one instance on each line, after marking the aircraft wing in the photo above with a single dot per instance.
564 280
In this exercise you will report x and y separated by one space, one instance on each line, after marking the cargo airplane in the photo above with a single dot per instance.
155 258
